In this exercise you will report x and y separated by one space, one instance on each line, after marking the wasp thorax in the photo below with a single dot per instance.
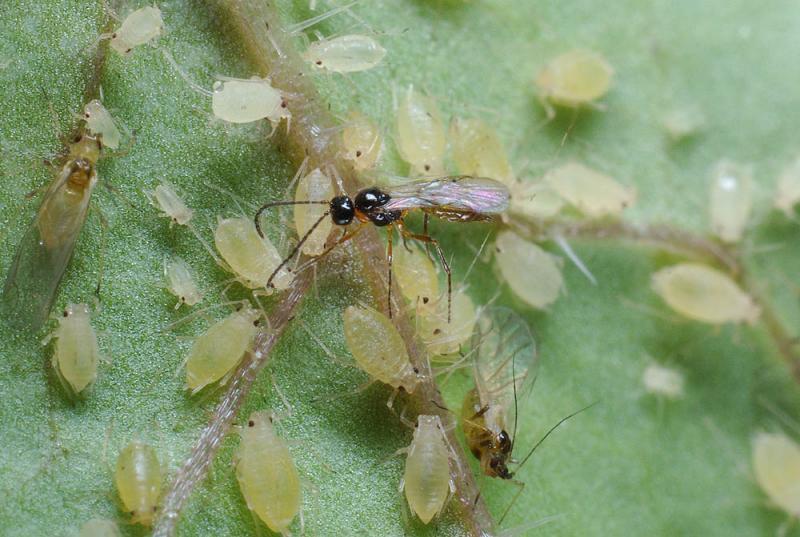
342 210
370 199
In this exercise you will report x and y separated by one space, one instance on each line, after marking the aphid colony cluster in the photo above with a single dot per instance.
501 353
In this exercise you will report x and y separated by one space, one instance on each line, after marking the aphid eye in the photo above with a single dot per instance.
319 62
416 370
114 35
251 423
77 139
284 104
256 322
128 50
437 331
427 167
66 313
358 153
425 300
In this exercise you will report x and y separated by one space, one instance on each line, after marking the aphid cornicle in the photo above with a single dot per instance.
76 353
138 480
46 248
456 199
267 475
427 482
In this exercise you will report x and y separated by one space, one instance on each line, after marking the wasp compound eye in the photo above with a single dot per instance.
342 210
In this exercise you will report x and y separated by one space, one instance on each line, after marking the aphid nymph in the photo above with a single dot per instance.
76 353
138 480
455 199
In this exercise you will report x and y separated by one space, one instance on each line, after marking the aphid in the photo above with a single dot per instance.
704 294
46 248
362 141
416 274
238 100
788 191
76 352
477 150
166 199
427 481
441 335
535 200
573 79
731 200
663 381
533 274
100 123
457 199
505 364
420 133
180 281
314 186
378 348
138 480
681 123
776 463
345 54
593 193
251 257
267 475
99 527
138 28
217 352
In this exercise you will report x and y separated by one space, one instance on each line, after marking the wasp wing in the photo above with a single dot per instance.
43 254
505 365
465 193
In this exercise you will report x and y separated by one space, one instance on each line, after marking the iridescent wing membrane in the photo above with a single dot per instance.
44 252
504 354
478 195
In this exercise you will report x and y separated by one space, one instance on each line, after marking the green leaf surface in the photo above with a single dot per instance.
632 465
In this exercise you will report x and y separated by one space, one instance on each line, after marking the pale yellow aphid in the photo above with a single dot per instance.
533 274
378 347
731 199
76 352
250 257
267 475
477 150
99 122
138 480
681 123
776 463
788 192
704 294
573 79
536 200
180 281
416 274
99 527
216 353
440 336
362 140
345 54
316 186
166 199
663 381
138 28
420 133
238 100
427 481
593 193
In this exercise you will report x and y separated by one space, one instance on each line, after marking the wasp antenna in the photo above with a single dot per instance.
266 206
297 246
553 428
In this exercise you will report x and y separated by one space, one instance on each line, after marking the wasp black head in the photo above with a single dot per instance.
342 211
370 199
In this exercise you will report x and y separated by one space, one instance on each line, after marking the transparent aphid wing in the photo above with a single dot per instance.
463 193
503 354
42 255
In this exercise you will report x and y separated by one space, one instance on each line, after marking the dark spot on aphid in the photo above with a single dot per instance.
251 423
437 331
284 104
319 62
256 322
86 115
77 139
416 370
127 51
66 313
114 35
425 300
401 389
358 153
427 167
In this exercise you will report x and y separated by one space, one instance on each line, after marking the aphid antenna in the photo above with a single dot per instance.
325 349
295 29
562 243
202 311
110 11
192 84
523 529
476 257
550 431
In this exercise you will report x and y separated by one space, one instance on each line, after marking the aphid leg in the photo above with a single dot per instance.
296 248
334 396
521 487
192 84
427 239
325 349
567 249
